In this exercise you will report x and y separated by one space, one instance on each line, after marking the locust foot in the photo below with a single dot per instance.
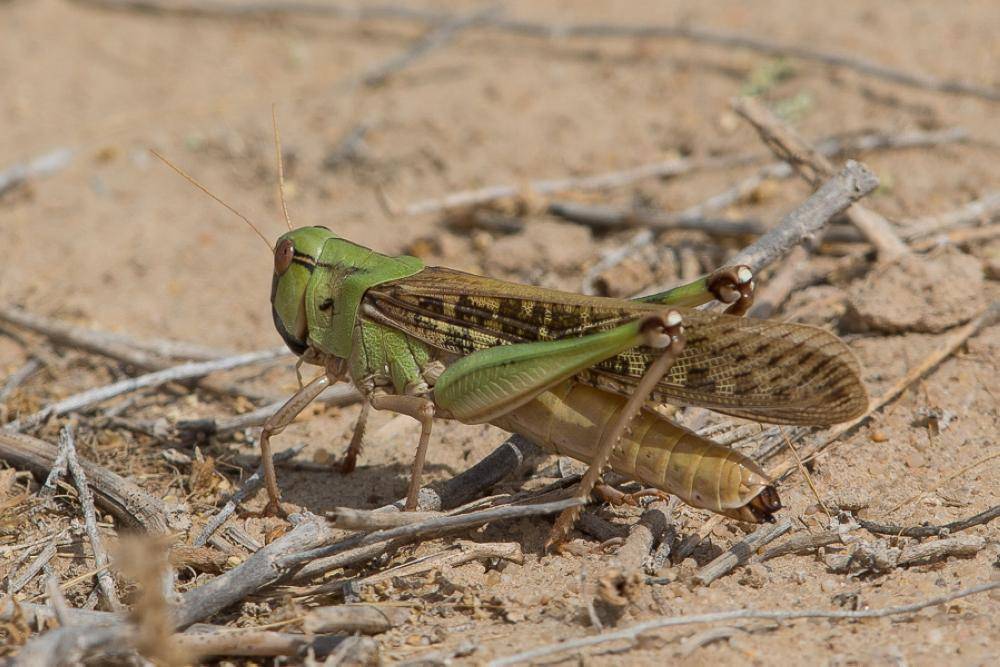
615 497
348 464
733 285
271 509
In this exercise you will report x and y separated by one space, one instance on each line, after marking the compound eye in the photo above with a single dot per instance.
283 256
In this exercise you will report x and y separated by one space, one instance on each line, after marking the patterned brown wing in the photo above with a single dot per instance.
759 369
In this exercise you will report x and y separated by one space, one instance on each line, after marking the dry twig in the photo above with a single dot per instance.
182 372
250 486
741 552
698 215
983 209
613 179
538 30
149 355
350 618
42 165
431 527
104 579
115 494
788 145
980 519
840 191
16 583
633 633
439 36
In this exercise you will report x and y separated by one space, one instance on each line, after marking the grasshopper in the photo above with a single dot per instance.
577 375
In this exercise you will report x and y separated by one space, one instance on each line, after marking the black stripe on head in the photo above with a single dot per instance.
298 347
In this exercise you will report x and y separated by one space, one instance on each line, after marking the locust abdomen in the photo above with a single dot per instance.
570 418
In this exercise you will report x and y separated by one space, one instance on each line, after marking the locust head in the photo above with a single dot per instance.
295 258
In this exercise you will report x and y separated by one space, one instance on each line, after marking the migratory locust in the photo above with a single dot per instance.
578 375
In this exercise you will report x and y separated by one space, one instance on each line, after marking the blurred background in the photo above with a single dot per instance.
116 238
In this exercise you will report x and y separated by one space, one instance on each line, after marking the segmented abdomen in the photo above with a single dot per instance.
570 418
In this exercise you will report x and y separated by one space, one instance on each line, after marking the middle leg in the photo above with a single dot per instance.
421 409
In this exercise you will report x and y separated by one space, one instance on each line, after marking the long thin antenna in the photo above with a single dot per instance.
190 179
281 168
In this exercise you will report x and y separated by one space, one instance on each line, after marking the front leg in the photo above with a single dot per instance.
274 425
421 409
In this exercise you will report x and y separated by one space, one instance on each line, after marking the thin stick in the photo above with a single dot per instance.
114 346
804 543
633 633
101 560
430 527
43 165
698 215
190 179
250 486
259 570
350 618
69 645
115 494
339 395
460 552
983 209
654 523
154 354
741 552
19 376
612 179
436 38
253 642
850 184
15 584
930 531
788 145
474 481
155 379
805 472
691 542
548 31
959 236
281 166
347 518
457 554
58 601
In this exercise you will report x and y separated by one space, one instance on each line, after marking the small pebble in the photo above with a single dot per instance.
828 585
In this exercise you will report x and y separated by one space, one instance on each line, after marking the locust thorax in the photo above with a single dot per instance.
295 258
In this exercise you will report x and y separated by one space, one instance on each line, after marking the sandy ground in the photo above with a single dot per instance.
117 242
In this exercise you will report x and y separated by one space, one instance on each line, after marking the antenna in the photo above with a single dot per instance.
281 169
190 179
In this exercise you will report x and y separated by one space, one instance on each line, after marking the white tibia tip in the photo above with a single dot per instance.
744 274
658 340
673 318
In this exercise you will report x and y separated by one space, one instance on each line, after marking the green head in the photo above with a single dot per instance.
295 259
319 282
